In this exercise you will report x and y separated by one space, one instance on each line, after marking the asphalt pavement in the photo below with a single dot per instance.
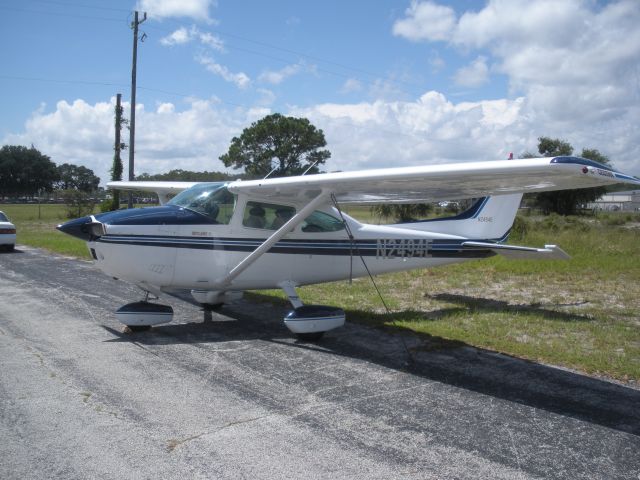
238 397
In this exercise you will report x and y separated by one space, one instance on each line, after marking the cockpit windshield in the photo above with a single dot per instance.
210 199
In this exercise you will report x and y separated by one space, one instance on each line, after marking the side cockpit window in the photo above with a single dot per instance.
266 215
269 216
321 222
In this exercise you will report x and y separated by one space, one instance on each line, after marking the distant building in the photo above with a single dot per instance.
618 202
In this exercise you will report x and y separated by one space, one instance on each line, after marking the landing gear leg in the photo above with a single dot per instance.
208 309
139 328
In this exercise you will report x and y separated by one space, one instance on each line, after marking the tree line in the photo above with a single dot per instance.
179 175
25 172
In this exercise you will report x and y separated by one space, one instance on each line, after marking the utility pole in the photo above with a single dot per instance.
132 116
116 169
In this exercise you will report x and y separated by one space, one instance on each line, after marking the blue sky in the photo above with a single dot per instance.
390 82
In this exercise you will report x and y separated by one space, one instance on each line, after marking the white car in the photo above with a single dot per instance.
7 233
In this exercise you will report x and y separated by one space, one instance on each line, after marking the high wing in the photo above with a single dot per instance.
163 189
419 184
440 182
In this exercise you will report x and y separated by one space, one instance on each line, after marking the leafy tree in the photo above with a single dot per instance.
294 143
78 203
566 202
116 168
76 177
24 171
554 147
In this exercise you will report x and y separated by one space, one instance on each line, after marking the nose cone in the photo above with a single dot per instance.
79 228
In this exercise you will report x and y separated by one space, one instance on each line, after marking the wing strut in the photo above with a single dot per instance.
272 240
351 245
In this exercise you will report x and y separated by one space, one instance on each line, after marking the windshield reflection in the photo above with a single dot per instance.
210 199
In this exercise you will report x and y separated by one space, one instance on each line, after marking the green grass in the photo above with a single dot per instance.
583 313
38 228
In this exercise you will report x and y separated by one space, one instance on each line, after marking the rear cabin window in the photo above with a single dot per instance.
266 215
321 222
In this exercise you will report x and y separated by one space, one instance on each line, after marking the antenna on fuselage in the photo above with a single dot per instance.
303 173
272 170
313 165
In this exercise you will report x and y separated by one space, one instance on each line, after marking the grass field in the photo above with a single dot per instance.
583 313
36 226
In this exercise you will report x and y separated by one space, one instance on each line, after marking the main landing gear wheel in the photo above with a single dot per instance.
310 337
309 322
140 316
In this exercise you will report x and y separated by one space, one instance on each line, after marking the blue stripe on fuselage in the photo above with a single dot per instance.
385 248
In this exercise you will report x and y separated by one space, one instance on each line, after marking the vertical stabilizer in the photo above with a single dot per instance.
490 218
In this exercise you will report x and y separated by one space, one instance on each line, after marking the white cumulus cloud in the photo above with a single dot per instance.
240 79
191 137
427 130
178 37
351 85
185 35
276 77
426 21
195 9
474 74
574 63
568 58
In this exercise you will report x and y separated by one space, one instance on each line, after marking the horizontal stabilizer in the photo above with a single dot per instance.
549 252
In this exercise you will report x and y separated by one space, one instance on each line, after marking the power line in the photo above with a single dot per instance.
81 5
111 84
234 47
300 55
59 80
60 14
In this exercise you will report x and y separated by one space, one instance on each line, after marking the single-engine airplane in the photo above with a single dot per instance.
217 240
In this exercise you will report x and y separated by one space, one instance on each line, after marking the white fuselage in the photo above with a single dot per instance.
198 256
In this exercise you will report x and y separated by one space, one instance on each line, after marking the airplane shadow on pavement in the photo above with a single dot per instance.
434 358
